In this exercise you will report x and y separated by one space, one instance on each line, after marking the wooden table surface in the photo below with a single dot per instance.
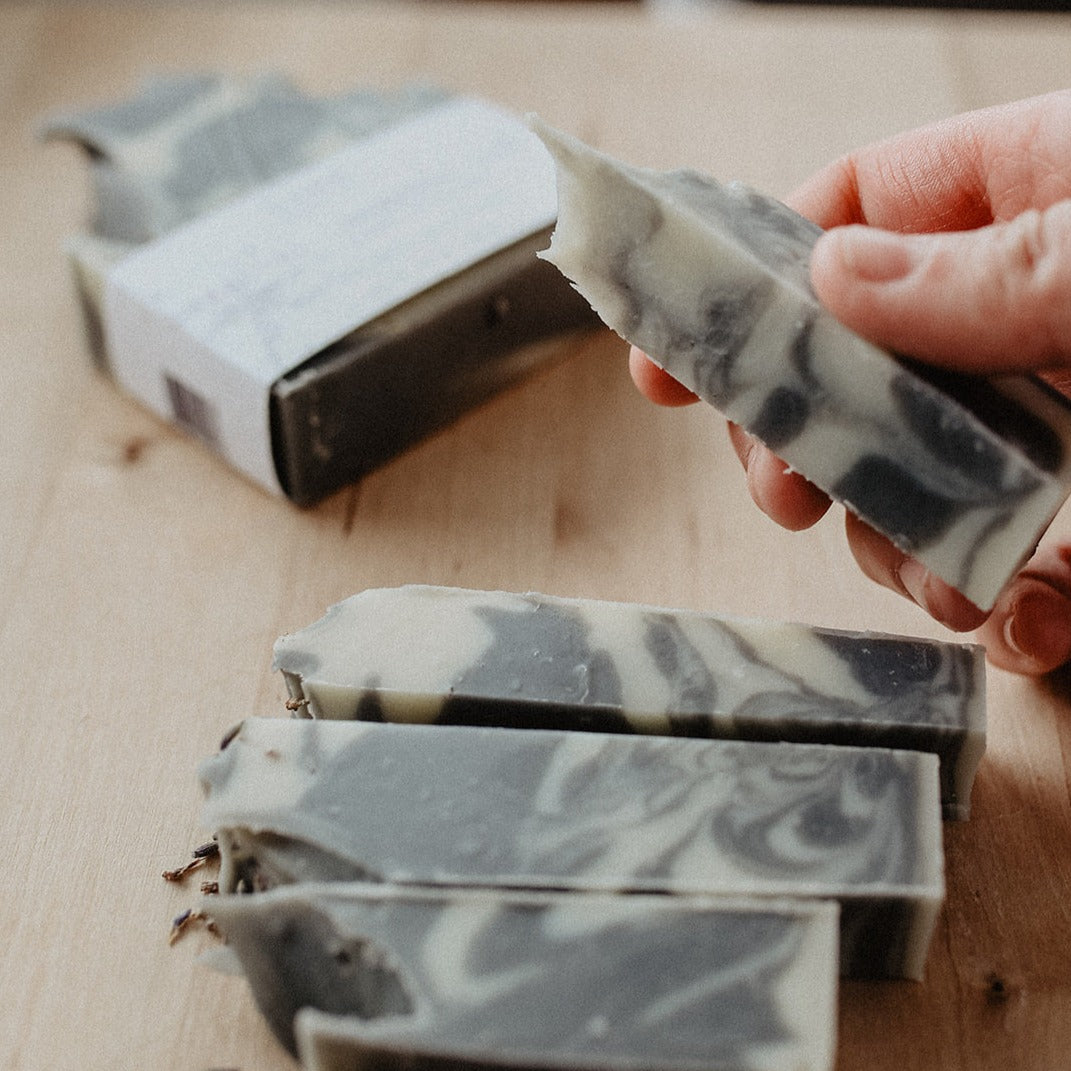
142 582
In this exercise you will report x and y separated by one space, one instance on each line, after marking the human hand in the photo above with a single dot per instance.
951 243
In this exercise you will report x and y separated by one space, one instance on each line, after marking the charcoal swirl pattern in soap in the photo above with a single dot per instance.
464 806
463 657
529 978
185 143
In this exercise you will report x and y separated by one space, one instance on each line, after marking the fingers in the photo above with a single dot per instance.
783 495
956 174
1029 630
796 504
989 300
889 566
658 386
933 178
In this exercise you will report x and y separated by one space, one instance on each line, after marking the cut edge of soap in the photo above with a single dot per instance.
564 146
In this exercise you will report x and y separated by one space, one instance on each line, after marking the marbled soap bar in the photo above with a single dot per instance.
455 656
297 800
184 144
539 980
713 283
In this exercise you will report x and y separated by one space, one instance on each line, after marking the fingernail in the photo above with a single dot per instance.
1039 627
943 603
873 255
914 576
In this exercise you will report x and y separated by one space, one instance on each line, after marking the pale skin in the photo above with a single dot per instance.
951 243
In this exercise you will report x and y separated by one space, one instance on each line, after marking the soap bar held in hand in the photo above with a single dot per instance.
712 282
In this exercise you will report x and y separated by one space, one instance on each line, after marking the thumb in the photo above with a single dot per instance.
1029 630
986 300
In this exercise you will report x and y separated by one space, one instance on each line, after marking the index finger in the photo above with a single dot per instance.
956 174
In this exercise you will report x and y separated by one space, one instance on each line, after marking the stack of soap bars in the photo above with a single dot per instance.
534 832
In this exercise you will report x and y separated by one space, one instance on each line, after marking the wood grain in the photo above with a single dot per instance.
142 582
